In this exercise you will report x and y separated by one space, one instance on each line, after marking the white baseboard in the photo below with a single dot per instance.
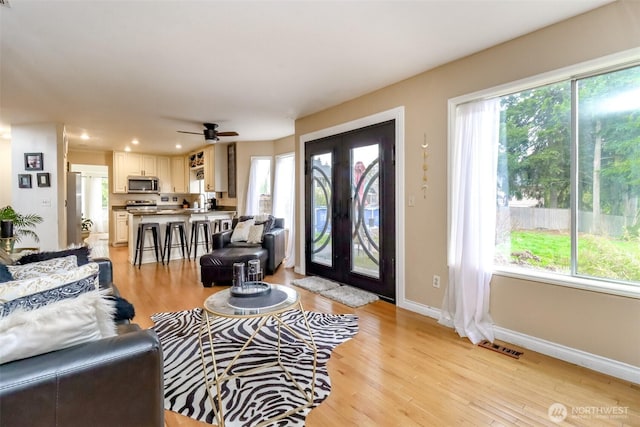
420 308
572 355
568 354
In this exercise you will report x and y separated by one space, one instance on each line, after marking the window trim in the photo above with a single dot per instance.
596 66
577 282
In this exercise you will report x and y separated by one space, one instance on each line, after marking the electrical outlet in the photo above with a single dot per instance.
436 281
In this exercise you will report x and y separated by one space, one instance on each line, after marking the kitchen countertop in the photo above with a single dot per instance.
173 210
181 211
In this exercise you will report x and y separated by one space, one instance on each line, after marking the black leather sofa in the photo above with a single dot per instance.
217 266
115 381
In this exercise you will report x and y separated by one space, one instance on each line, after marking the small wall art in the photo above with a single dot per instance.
33 161
24 180
43 179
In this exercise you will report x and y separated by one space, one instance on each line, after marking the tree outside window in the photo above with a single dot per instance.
568 201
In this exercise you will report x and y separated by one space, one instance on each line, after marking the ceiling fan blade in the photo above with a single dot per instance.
227 133
192 133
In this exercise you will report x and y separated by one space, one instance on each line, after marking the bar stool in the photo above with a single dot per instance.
225 224
196 226
143 227
181 228
216 225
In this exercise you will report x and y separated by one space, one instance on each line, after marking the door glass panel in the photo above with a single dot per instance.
365 210
321 196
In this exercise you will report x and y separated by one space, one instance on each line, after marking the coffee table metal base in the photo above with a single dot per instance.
214 380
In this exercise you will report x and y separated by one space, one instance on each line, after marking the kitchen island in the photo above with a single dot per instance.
162 217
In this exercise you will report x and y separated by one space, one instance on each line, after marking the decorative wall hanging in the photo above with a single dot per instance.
43 179
33 161
24 180
425 167
231 170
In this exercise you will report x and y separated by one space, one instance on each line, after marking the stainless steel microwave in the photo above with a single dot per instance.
142 184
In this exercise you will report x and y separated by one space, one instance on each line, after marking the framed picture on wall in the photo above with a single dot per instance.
33 162
231 170
24 180
43 179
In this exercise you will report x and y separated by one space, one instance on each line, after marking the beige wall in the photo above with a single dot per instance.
284 145
80 157
6 189
602 324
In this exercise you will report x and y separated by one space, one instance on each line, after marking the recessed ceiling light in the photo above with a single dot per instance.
84 136
127 149
134 141
178 146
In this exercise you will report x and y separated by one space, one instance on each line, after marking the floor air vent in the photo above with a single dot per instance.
501 349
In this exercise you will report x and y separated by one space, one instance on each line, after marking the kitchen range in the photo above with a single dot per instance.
141 206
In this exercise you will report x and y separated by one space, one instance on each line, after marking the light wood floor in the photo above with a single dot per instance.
403 369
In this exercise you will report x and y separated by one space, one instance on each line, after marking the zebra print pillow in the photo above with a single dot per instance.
48 296
20 288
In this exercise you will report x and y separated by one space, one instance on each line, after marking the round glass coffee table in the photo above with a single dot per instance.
224 304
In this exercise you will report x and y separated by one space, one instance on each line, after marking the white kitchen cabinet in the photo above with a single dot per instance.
131 164
119 172
209 169
163 169
121 221
141 164
179 179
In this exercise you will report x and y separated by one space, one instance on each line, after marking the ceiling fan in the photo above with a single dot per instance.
210 132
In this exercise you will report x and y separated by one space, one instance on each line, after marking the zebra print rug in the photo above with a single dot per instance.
249 399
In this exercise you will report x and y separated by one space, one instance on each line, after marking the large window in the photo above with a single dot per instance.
569 178
259 186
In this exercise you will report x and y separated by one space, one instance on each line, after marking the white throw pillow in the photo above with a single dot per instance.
255 234
241 232
41 268
19 288
262 217
62 324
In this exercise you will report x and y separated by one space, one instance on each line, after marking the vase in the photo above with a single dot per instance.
7 243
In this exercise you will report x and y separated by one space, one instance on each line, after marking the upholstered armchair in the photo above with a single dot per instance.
217 266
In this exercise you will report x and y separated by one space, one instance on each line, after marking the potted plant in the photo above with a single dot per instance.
86 227
23 225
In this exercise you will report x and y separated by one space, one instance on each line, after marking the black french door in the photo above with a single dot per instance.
350 208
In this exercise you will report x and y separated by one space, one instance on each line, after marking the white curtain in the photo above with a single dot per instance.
472 224
284 201
258 199
252 204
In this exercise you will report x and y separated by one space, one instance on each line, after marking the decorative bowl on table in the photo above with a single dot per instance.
251 289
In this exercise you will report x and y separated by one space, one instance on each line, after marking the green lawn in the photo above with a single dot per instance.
598 256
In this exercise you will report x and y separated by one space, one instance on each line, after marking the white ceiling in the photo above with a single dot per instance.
143 69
